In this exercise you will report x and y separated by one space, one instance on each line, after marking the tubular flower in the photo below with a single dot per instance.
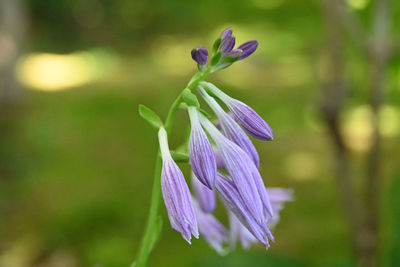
204 195
201 153
238 232
243 114
229 193
176 193
212 230
240 167
231 129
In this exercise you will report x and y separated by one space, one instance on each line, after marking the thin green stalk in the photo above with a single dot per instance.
149 236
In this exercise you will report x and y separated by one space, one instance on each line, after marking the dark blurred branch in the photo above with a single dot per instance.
331 105
363 219
12 26
379 55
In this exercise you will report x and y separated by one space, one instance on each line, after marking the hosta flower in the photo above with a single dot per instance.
238 232
212 230
229 193
201 153
243 114
278 196
241 169
200 55
231 129
176 193
204 195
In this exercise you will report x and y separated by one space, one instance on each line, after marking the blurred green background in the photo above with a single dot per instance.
76 160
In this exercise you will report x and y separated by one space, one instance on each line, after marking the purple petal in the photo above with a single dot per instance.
227 44
219 160
250 120
238 231
201 153
248 48
212 230
176 193
230 195
231 129
178 201
200 55
204 195
226 33
240 167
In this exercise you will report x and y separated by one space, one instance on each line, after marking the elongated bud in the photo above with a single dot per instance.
229 193
176 193
200 55
248 48
204 195
227 44
240 167
201 153
212 230
243 114
231 129
226 33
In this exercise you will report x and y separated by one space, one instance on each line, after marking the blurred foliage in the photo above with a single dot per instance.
76 164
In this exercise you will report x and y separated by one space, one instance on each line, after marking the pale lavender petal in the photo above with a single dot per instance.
204 195
219 160
278 197
240 167
238 231
212 230
243 114
233 201
231 129
201 153
176 193
250 120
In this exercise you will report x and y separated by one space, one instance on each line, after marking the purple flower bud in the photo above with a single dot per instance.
238 231
248 48
227 44
200 55
204 195
243 114
212 230
230 196
240 167
201 153
231 129
234 53
226 33
250 120
176 193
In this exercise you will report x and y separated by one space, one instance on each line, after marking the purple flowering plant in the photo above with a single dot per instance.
223 160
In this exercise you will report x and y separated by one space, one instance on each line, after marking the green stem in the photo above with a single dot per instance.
148 236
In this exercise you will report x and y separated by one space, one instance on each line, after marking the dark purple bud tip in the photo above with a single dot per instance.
227 44
248 48
200 55
226 33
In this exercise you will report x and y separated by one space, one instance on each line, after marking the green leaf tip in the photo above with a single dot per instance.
150 116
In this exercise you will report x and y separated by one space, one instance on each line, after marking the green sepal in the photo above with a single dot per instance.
179 156
205 113
149 116
216 45
189 98
215 59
